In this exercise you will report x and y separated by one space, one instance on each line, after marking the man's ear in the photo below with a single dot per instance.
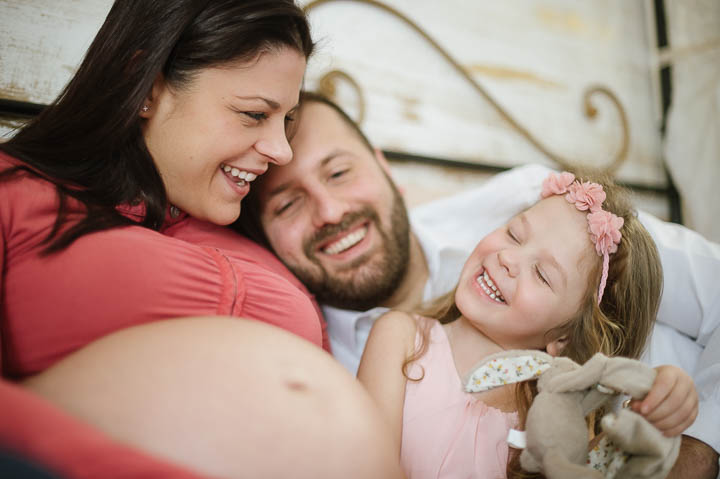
382 161
554 348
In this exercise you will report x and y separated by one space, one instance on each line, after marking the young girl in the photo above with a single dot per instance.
573 275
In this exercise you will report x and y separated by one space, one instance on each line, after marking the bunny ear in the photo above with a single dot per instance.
507 367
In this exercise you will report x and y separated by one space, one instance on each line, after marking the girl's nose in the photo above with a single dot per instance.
508 261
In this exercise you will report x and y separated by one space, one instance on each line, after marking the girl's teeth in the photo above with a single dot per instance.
489 287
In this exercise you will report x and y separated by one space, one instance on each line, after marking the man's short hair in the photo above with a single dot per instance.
311 96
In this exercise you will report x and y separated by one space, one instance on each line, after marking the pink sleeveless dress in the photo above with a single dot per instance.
448 433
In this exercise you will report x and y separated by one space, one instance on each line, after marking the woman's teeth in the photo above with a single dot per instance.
350 240
241 175
489 287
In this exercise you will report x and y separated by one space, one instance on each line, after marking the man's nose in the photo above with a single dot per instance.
329 208
509 262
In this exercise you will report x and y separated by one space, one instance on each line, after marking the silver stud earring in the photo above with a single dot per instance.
145 108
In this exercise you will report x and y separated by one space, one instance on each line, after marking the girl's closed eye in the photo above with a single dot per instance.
541 275
512 236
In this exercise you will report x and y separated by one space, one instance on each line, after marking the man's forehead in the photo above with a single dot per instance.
320 124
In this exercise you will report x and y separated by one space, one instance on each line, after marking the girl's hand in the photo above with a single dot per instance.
672 403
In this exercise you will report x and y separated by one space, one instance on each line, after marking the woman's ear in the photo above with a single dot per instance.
147 110
554 348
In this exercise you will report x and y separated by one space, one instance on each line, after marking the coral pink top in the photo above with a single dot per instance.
447 432
112 279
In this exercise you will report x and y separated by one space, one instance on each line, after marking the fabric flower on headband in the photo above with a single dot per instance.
557 184
605 231
603 226
586 196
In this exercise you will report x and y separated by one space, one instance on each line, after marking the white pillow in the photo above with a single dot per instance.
691 263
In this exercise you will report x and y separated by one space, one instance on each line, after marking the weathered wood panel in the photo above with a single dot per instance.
693 131
536 58
42 42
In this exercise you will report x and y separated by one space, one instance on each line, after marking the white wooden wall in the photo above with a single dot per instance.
42 42
536 57
692 146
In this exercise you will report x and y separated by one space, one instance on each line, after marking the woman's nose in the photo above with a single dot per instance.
274 145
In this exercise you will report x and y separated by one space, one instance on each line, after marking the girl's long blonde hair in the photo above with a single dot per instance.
618 326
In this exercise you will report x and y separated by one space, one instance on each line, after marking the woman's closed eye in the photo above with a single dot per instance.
255 115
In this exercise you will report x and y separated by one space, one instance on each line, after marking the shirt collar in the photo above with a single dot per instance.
444 262
342 323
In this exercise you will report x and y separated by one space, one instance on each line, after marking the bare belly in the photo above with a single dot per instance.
226 397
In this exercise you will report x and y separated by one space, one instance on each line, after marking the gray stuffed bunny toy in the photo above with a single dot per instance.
557 438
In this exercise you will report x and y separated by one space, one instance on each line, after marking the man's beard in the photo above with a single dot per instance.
366 282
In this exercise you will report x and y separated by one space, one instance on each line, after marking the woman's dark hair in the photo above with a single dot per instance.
89 141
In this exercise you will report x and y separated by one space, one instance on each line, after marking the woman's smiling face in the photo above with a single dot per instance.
529 276
211 138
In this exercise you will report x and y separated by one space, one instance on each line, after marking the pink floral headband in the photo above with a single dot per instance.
604 227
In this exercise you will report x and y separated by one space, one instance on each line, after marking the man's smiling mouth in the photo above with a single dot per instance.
347 242
487 284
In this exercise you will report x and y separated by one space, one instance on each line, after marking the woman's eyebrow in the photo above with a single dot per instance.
270 103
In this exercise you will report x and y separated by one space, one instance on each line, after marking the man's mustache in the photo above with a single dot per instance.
330 230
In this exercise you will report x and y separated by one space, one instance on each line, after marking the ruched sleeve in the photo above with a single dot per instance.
269 297
270 292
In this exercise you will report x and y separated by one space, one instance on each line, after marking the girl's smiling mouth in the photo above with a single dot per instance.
489 286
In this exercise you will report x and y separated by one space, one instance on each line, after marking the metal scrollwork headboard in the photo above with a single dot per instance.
327 86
